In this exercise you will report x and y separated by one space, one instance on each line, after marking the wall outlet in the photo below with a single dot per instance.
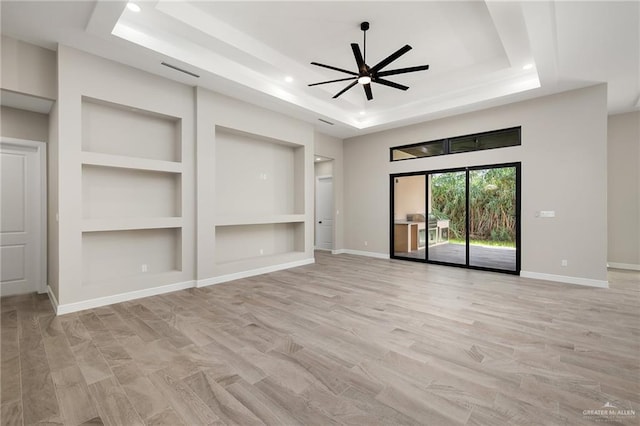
144 267
546 213
366 243
564 262
261 252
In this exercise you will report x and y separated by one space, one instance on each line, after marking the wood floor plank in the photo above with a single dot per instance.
73 395
183 400
112 403
347 340
221 402
11 413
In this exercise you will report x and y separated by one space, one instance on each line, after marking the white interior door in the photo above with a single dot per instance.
324 212
21 217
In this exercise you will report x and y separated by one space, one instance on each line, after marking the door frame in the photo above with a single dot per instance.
40 148
426 173
333 215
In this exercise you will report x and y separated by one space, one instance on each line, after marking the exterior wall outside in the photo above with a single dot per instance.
564 168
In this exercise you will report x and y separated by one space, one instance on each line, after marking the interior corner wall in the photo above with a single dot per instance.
53 239
564 168
21 124
81 76
29 69
332 147
624 190
216 114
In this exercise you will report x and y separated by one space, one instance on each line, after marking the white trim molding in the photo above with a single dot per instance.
117 298
52 299
364 253
253 272
565 279
627 266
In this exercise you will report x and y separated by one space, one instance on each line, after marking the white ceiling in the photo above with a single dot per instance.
476 51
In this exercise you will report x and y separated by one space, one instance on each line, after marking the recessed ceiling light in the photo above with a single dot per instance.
133 7
363 112
288 79
527 67
318 159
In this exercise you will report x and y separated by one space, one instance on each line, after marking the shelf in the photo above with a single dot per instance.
125 224
261 220
241 242
125 162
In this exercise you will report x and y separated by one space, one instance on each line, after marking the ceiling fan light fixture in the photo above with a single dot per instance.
365 79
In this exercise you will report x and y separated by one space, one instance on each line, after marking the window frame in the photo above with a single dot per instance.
446 144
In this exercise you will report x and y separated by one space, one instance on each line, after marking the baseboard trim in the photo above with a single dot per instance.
117 298
52 299
627 266
339 251
365 253
253 272
565 279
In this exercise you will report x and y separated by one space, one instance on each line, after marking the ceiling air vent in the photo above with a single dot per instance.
325 121
180 69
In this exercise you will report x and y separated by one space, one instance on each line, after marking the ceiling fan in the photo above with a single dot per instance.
366 74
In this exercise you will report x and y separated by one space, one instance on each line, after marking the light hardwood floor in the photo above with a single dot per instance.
348 340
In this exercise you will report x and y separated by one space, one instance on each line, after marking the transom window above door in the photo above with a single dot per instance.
475 142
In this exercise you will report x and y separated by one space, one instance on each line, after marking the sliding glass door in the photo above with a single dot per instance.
493 217
447 205
409 228
464 217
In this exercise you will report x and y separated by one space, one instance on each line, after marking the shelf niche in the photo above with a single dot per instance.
109 192
110 256
243 242
114 129
257 176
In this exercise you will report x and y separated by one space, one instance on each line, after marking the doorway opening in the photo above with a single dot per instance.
467 217
324 204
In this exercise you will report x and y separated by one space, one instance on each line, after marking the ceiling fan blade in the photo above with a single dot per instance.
358 55
332 81
390 84
345 89
334 68
403 70
367 90
390 58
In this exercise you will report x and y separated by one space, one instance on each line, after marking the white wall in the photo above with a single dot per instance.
224 196
84 75
564 168
53 238
21 124
624 190
331 147
28 69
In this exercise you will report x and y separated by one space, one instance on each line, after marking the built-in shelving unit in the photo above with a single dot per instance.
131 193
259 203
